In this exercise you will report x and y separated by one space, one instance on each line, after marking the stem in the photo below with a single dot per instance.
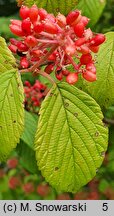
47 41
43 59
44 74
72 62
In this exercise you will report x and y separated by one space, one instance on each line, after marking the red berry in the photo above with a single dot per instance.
80 41
14 41
13 48
26 26
31 41
84 49
16 22
43 190
59 76
39 27
65 72
94 49
85 59
12 163
36 53
98 39
79 29
72 78
42 13
89 76
49 68
90 67
70 49
27 83
17 30
22 47
24 62
51 18
72 17
33 13
84 20
61 20
24 12
14 182
28 188
50 27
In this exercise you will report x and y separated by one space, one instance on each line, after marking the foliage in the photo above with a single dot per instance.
71 135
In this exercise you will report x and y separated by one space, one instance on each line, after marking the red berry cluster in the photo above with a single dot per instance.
34 94
56 42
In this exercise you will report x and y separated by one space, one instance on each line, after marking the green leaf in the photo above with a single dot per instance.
70 139
7 61
63 6
29 129
11 102
27 157
103 89
92 9
26 147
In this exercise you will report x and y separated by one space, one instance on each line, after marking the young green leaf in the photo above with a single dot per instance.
71 138
55 6
92 9
11 102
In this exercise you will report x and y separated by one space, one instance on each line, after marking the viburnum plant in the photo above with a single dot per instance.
71 138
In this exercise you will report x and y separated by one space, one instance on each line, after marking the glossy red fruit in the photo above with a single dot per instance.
22 47
14 41
89 76
70 49
84 20
84 49
36 53
72 17
13 48
26 26
65 72
90 67
98 39
12 163
94 49
50 27
80 41
61 20
49 68
79 29
31 41
42 13
85 59
24 12
28 188
33 14
39 27
27 83
17 30
14 182
72 78
24 62
59 76
16 22
43 190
